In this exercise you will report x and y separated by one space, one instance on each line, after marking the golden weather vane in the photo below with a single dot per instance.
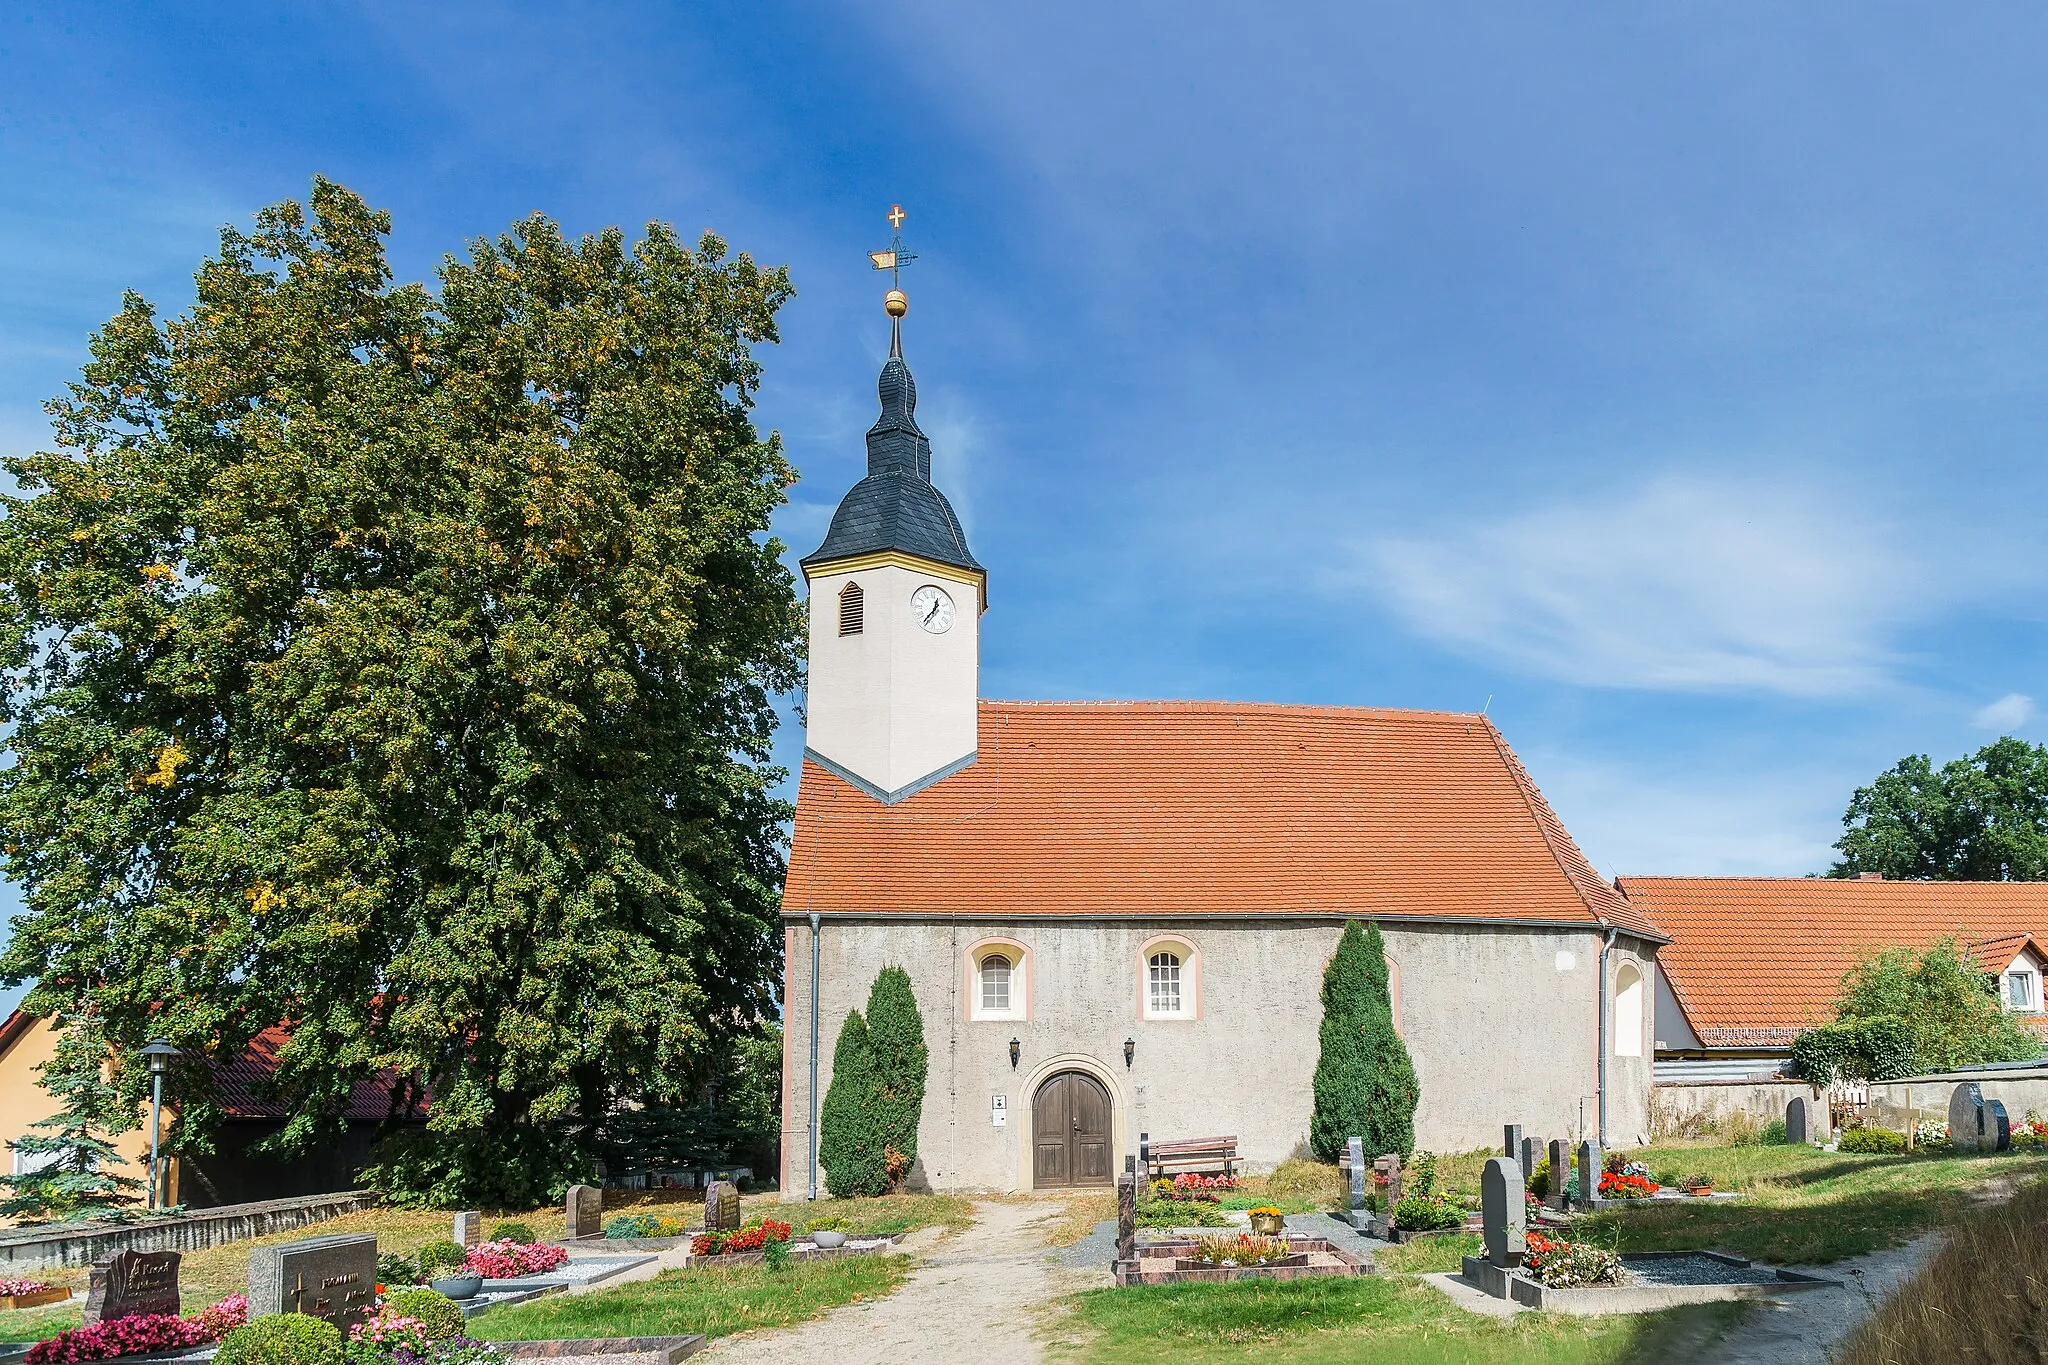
892 259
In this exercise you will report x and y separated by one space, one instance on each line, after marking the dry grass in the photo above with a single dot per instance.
1983 1298
1303 1179
1077 1215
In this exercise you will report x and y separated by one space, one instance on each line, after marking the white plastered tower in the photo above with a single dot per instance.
895 619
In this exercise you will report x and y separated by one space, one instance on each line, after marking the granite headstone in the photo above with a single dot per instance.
1127 1212
1511 1140
1388 1166
1560 1195
1354 1151
1503 1212
1966 1117
583 1210
469 1229
1997 1127
1588 1191
1531 1154
721 1206
128 1284
332 1278
1796 1131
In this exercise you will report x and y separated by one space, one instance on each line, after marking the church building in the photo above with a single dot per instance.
1115 916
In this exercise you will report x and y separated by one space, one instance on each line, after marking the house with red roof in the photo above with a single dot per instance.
1754 960
1115 916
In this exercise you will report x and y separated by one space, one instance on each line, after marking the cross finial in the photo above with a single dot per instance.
896 216
893 259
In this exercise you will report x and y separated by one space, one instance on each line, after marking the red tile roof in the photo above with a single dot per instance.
1755 959
1206 808
241 1085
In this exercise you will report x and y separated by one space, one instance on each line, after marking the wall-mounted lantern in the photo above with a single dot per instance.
1130 1051
1016 1051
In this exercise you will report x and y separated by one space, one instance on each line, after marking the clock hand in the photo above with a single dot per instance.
933 612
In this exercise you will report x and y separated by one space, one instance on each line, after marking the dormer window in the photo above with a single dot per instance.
852 609
2022 991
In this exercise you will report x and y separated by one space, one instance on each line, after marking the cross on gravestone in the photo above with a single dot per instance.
1795 1121
129 1284
1127 1213
1511 1140
583 1209
332 1278
469 1229
1532 1152
721 1206
1588 1191
1966 1117
1354 1148
1560 1194
1997 1127
1503 1213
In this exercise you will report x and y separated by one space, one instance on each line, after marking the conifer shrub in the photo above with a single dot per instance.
1365 1081
849 1146
901 1063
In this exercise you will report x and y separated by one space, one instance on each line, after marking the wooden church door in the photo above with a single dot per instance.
1070 1132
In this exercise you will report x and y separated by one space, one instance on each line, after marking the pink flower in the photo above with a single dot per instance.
15 1289
508 1260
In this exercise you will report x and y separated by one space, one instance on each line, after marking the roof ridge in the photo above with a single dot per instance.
1207 704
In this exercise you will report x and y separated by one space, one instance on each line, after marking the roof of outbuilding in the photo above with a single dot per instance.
896 507
242 1085
1163 809
1753 960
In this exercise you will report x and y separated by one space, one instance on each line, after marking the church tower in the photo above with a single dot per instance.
895 607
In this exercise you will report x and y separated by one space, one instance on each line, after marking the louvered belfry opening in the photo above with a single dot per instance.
852 609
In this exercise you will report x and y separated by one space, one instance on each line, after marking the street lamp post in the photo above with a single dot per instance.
160 1053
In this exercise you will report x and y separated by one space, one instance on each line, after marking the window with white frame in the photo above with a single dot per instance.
995 984
998 981
1162 983
2022 990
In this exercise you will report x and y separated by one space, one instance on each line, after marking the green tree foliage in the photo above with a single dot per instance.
395 662
896 1044
737 1120
1365 1082
72 1157
851 1146
1902 1013
1981 818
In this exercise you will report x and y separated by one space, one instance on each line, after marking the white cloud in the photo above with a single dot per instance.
2008 713
1683 584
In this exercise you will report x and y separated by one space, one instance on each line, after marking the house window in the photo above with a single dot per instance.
2022 991
995 984
1162 984
1628 1012
852 609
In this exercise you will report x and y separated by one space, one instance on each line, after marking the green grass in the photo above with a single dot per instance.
34 1324
1430 1255
716 1303
1804 1207
1389 1320
884 1216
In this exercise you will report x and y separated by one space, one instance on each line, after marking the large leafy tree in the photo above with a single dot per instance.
395 662
1980 818
1365 1083
1903 1013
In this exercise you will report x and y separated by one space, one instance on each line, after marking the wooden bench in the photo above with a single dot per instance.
1190 1154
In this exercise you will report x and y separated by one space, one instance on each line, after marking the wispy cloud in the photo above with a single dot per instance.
2008 713
1683 584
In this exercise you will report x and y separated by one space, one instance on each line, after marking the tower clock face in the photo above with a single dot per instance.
933 609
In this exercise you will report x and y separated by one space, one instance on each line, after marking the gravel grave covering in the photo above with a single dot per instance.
1697 1270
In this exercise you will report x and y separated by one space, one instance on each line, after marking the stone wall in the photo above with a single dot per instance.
1502 1023
1899 1104
48 1248
1684 1108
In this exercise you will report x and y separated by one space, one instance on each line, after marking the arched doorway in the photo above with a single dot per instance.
1070 1132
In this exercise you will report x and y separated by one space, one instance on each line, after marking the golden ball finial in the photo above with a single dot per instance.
897 302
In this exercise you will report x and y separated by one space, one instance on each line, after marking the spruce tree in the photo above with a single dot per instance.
70 1175
1365 1083
896 1042
850 1147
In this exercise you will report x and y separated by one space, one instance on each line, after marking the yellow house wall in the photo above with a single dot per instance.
23 1102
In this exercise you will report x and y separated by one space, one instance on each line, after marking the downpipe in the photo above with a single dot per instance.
1605 949
814 1054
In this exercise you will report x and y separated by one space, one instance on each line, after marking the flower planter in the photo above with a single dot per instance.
35 1300
1299 1258
1268 1224
1699 1191
826 1240
459 1287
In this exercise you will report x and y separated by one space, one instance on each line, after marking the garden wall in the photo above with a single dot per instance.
1898 1104
48 1248
1692 1108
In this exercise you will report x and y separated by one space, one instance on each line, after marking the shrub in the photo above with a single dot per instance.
644 1225
901 1064
441 1258
1422 1212
393 1268
1773 1134
512 1232
1873 1141
1179 1213
1365 1081
516 1168
850 1145
441 1315
282 1339
1539 1179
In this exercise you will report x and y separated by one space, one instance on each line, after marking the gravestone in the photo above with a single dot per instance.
721 1206
1588 1192
1966 1117
1511 1140
331 1278
1532 1153
1795 1122
1389 1166
1997 1127
1127 1212
583 1209
1502 1212
128 1284
1560 1196
1354 1150
469 1229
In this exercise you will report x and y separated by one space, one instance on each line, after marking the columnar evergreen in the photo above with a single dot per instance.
70 1161
896 1040
849 1146
1365 1083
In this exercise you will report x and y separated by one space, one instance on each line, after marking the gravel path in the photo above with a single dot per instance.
985 1294
1809 1327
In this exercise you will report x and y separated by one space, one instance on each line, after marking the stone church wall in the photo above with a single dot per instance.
1502 1024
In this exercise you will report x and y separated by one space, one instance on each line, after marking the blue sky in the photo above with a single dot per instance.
1669 374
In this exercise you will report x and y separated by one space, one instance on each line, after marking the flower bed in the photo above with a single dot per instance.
508 1260
1241 1250
141 1335
746 1239
1195 1188
636 1226
30 1293
1557 1264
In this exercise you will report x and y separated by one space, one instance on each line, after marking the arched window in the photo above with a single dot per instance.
852 609
1628 1012
1169 978
1162 984
995 984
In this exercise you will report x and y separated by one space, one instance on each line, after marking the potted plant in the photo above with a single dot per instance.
445 1266
827 1233
1699 1186
1266 1220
